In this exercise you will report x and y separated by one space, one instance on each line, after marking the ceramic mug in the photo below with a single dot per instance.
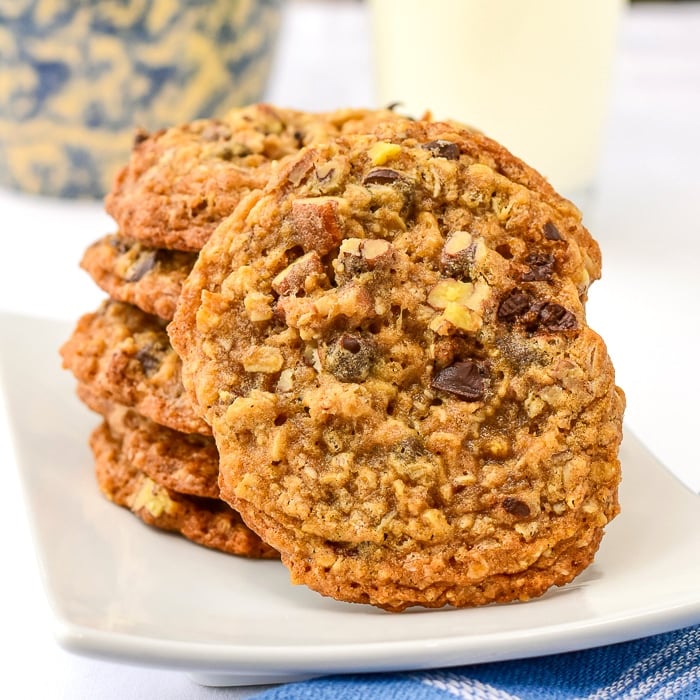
77 77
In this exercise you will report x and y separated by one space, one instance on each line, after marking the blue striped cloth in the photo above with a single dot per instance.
663 666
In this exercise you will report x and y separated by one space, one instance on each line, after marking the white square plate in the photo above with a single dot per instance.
123 591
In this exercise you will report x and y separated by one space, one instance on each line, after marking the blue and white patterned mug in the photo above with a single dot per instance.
78 76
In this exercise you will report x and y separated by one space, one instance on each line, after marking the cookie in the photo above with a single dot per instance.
129 271
390 344
180 182
184 462
206 521
123 355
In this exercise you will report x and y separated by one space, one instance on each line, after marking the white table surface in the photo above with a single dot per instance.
645 212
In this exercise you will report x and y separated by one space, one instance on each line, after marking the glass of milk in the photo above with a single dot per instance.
532 74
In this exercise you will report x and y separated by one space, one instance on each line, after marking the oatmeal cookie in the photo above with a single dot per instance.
184 462
390 344
129 271
124 355
206 521
180 182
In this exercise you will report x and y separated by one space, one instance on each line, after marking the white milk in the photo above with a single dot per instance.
533 74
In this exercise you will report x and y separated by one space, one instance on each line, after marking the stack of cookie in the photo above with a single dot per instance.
381 322
153 453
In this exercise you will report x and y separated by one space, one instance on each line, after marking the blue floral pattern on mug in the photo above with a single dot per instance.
78 76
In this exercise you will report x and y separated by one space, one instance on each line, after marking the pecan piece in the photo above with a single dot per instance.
359 255
316 222
292 279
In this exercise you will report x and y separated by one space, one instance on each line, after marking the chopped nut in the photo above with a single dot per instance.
458 242
286 381
301 168
462 317
478 297
449 290
240 281
462 303
373 249
457 254
153 498
263 359
358 255
351 246
258 306
317 224
291 280
382 151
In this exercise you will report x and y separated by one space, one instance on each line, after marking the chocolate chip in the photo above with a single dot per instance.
149 362
462 379
541 267
514 304
381 176
349 358
555 317
226 153
443 149
551 232
516 507
144 263
140 135
119 245
351 344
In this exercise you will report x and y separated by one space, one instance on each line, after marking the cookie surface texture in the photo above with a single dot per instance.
206 521
150 278
390 344
184 462
123 355
180 182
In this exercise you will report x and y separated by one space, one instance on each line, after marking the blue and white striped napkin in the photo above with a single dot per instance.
654 668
